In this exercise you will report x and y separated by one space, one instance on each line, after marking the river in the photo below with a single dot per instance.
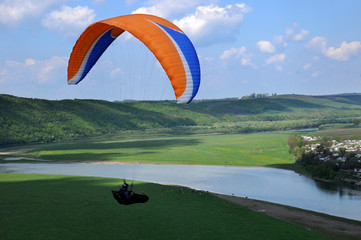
267 184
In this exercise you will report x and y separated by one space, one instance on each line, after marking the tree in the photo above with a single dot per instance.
357 122
342 151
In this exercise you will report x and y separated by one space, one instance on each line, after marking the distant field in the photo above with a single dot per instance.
258 149
63 207
342 133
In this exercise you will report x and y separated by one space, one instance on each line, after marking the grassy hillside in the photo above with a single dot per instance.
65 207
25 120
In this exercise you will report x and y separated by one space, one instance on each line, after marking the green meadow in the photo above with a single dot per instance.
63 207
257 149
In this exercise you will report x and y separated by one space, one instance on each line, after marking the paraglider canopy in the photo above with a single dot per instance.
166 41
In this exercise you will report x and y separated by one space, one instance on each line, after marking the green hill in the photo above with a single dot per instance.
26 120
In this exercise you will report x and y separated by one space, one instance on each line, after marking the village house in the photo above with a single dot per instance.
352 148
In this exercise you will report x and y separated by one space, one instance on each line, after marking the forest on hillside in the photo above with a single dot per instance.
27 120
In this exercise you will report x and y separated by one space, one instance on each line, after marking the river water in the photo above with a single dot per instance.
268 184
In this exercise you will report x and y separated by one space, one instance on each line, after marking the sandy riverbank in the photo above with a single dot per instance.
329 225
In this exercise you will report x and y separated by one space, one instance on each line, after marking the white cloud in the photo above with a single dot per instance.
293 35
341 53
167 8
116 72
68 20
213 24
47 67
315 74
277 60
30 62
13 12
279 40
344 52
266 46
2 75
13 71
233 52
301 35
317 43
38 71
239 53
306 66
246 61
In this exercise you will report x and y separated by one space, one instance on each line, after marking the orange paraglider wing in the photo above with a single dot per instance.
166 41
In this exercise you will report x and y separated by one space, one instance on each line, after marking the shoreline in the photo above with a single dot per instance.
326 224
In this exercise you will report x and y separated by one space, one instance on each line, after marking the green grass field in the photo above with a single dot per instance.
258 149
63 207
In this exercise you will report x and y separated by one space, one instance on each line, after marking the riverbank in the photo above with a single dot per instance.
325 224
266 184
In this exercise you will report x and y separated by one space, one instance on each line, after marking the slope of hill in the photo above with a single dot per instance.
25 120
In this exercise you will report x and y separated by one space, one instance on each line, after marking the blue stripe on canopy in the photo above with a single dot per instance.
100 46
190 55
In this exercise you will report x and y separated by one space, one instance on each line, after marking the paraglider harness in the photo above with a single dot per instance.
126 194
126 197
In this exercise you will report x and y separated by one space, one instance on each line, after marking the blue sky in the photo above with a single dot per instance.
279 46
